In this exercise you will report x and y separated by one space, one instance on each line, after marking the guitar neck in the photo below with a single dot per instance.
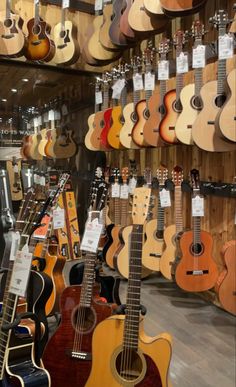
221 76
88 281
179 85
160 217
162 91
196 224
8 9
178 210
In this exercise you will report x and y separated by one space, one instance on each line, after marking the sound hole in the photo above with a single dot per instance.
8 23
134 117
220 100
196 102
146 114
177 106
36 30
83 319
196 248
161 109
129 365
62 34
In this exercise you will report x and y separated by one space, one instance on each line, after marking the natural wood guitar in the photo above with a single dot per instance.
149 358
14 169
104 30
142 21
91 118
124 24
35 141
116 35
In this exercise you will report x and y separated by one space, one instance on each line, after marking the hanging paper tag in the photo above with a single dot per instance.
58 218
51 115
124 191
42 181
36 2
226 46
40 121
182 63
20 273
199 57
45 117
36 178
198 206
41 232
98 97
132 185
138 82
15 237
64 110
149 81
65 4
57 115
163 70
36 123
117 88
165 198
115 190
98 5
15 168
92 234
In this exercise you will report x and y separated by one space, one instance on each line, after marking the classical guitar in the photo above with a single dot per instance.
190 95
141 21
14 170
91 118
174 8
173 232
70 347
226 283
12 38
197 270
154 7
124 25
156 108
35 140
205 131
104 30
44 139
66 43
154 243
116 35
39 45
172 103
122 353
107 113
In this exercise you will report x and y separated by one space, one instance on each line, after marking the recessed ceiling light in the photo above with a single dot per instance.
4 100
25 80
14 90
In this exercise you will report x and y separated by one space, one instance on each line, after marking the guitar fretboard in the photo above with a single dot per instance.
88 281
160 216
196 223
178 209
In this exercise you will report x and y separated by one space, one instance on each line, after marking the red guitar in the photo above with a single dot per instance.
106 116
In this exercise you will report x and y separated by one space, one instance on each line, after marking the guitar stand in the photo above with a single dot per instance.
122 309
16 322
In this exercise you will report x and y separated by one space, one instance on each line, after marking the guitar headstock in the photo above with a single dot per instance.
125 174
162 175
141 203
98 173
195 179
147 174
179 40
198 30
164 48
177 176
116 174
220 20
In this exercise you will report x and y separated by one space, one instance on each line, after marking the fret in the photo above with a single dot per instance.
88 281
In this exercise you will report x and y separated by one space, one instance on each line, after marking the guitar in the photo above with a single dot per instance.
66 44
12 38
14 169
122 353
181 8
226 286
154 7
116 35
156 108
35 141
141 21
65 146
39 45
205 132
71 345
196 271
154 244
124 25
173 232
190 95
226 119
91 118
107 113
104 30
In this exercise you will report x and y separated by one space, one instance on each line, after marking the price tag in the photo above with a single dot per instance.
36 178
198 206
124 191
41 232
57 115
64 110
36 122
115 190
58 217
45 117
51 115
98 5
15 237
182 63
149 80
21 271
226 46
138 82
199 57
163 70
165 198
91 237
36 2
42 181
15 168
98 97
117 88
65 4
132 185
40 121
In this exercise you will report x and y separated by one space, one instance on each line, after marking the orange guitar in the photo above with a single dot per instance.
197 270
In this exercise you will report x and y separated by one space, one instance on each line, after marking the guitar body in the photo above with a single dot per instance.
226 118
34 153
137 132
167 124
88 135
66 44
65 369
108 242
141 21
154 353
26 146
153 6
181 7
113 247
64 146
43 142
12 38
191 107
49 147
152 247
98 126
39 45
113 136
104 31
189 263
48 143
107 125
116 36
124 24
15 180
151 127
168 255
126 130
204 131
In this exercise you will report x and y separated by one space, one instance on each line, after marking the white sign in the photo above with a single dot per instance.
163 70
21 271
115 190
165 198
182 63
149 81
15 237
51 115
138 82
132 185
98 5
117 88
198 206
124 191
199 57
58 218
92 234
65 4
98 97
64 110
226 46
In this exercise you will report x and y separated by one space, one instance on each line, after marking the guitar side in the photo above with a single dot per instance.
151 127
88 135
137 132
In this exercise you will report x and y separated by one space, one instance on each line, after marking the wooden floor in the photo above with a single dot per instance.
204 336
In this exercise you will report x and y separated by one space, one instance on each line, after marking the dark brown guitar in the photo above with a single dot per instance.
124 25
116 36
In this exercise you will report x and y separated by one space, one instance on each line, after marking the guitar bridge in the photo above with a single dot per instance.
9 36
80 355
197 272
155 255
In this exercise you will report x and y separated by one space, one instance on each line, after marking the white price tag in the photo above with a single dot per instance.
138 82
182 63
198 206
117 88
124 191
15 237
57 115
226 46
20 273
28 125
199 57
163 70
132 185
36 178
115 190
98 97
149 80
36 122
165 198
98 5
64 110
91 237
58 218
36 2
42 181
65 4
40 121
45 117
51 115
15 168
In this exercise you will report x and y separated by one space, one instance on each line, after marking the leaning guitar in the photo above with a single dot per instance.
123 355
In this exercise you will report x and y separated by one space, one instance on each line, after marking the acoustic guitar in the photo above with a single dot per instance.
122 353
226 284
35 140
65 145
190 95
173 232
197 270
14 169
39 45
174 8
205 131
124 24
116 35
12 38
66 43
87 139
104 30
154 7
